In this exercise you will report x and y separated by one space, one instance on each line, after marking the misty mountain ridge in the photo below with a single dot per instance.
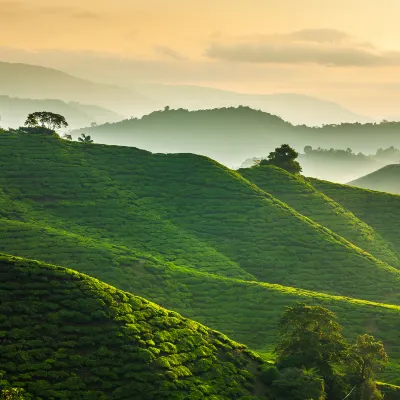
13 111
386 179
231 135
31 81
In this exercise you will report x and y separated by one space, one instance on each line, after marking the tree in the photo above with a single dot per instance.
370 356
308 149
298 384
67 136
284 157
311 337
46 120
85 139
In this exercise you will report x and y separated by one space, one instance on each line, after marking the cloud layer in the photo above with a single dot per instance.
317 46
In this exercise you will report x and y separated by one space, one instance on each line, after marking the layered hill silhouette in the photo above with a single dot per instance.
77 337
386 179
35 82
13 111
132 98
227 249
231 135
296 108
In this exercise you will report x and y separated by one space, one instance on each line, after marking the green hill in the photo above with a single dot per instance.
183 209
385 179
194 236
378 209
298 193
65 335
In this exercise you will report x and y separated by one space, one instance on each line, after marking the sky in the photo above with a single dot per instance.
344 50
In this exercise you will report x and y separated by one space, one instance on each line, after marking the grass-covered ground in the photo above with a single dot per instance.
65 335
196 237
379 210
299 193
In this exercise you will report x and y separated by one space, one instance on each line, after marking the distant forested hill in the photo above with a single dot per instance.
231 135
386 179
227 248
13 111
338 165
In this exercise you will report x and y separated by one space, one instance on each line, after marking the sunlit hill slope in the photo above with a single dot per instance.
227 249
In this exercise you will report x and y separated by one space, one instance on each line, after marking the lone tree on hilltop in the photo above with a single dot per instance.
47 120
284 157
85 138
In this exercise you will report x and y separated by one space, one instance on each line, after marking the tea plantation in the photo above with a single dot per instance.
219 247
65 335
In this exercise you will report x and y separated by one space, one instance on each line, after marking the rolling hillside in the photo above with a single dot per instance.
77 337
386 179
364 204
195 237
13 112
298 193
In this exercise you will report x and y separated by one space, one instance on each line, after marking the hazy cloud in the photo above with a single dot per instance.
23 9
169 53
318 46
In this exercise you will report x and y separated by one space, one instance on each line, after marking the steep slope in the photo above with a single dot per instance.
386 179
77 337
378 209
14 111
183 209
298 193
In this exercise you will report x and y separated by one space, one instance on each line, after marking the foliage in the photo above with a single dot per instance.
311 337
67 136
370 355
85 138
66 335
46 119
12 394
284 157
298 384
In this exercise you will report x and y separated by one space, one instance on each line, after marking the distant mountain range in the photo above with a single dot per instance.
13 111
231 135
295 108
29 81
386 179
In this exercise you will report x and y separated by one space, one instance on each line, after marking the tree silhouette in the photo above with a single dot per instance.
85 139
284 157
46 120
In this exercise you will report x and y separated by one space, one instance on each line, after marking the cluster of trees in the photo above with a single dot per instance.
46 123
391 154
314 361
283 157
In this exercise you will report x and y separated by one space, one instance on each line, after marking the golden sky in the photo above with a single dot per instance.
344 50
